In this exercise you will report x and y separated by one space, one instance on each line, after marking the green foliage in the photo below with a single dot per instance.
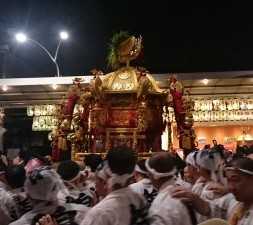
116 39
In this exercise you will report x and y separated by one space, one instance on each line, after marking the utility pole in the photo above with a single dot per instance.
4 48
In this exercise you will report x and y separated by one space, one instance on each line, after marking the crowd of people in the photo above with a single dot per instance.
212 187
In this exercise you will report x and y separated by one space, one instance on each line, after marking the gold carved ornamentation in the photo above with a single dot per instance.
142 116
124 75
117 86
129 86
121 107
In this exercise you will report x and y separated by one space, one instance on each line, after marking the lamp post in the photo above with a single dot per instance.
3 51
63 36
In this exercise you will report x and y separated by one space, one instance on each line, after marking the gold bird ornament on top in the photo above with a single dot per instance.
123 48
129 49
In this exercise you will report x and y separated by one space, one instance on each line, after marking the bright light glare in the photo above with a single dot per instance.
64 35
205 81
21 37
54 86
5 88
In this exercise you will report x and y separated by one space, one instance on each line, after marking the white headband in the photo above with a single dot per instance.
81 172
43 184
116 178
158 175
242 170
138 169
191 160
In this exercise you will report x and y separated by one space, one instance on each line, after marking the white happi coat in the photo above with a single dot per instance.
198 186
121 207
71 195
166 210
207 195
224 208
6 207
145 188
179 181
70 212
22 203
139 186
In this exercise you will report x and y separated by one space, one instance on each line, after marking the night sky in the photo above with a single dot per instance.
183 36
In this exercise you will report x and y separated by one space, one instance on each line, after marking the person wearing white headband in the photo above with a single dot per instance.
209 162
73 179
191 179
121 206
193 170
235 207
165 209
142 184
42 186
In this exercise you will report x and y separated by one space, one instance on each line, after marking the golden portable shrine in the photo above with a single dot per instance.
122 107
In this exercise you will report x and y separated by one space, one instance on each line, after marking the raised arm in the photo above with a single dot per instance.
187 196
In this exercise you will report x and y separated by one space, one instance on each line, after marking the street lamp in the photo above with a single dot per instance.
63 36
3 51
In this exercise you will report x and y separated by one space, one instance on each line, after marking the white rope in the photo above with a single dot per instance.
138 169
158 175
116 178
242 170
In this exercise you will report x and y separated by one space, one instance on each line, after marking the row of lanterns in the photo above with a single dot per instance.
199 105
223 104
207 116
236 109
44 123
237 115
1 113
42 110
45 116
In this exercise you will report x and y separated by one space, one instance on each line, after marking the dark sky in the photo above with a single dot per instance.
183 36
